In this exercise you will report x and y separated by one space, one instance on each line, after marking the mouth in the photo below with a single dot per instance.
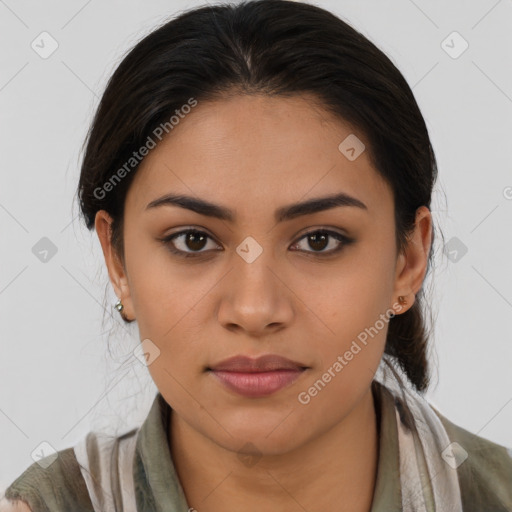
258 377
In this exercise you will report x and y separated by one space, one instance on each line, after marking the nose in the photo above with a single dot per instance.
255 298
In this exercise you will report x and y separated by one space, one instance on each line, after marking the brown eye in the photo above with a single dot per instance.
321 239
191 242
318 241
195 241
187 243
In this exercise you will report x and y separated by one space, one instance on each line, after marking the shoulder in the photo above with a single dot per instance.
51 484
18 506
484 469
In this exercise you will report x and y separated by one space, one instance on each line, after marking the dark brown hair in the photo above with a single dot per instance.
272 47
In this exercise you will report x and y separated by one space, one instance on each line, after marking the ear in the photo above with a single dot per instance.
411 265
116 270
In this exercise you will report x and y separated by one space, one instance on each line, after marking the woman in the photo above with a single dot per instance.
260 176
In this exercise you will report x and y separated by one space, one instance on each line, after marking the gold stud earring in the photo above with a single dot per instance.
402 301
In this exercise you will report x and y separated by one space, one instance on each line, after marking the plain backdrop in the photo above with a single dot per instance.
66 364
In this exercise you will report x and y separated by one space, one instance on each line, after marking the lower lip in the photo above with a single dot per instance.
257 384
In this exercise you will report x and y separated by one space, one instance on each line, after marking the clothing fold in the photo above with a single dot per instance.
428 482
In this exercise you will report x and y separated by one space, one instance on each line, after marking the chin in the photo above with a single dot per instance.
254 445
272 434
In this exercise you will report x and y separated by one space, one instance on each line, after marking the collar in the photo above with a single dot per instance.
158 488
387 495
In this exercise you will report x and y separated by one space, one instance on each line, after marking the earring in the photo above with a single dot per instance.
119 306
401 300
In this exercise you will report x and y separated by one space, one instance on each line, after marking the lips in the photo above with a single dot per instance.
266 363
257 377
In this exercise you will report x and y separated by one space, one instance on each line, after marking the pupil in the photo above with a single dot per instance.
192 238
318 238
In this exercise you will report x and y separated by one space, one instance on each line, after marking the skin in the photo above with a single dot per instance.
254 154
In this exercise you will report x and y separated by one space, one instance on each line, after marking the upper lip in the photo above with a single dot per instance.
265 363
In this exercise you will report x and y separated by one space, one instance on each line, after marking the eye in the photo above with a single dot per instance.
178 243
319 240
190 242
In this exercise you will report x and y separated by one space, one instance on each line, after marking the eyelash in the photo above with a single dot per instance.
344 241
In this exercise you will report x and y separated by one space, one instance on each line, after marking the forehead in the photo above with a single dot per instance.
252 152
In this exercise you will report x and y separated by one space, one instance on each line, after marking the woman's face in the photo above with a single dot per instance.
256 284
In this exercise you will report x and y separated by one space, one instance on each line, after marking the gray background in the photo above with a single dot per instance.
59 379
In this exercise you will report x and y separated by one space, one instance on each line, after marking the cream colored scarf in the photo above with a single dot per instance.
428 459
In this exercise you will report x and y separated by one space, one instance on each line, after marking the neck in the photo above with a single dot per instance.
339 466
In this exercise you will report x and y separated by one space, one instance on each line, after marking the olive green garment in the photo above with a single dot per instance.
485 477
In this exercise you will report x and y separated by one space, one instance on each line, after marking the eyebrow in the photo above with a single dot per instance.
284 213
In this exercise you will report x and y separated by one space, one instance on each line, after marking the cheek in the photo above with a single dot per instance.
160 292
353 296
171 327
166 301
348 359
356 313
